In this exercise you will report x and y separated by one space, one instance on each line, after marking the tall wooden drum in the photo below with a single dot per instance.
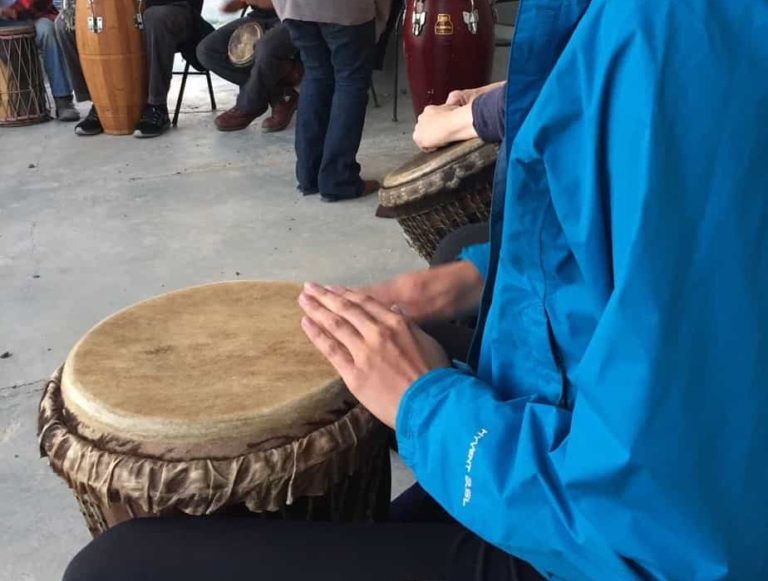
211 400
448 44
112 54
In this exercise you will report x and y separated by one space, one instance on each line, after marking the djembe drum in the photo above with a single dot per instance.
448 45
211 400
242 44
435 193
111 46
23 100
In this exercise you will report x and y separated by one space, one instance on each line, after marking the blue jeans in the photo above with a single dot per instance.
53 59
334 95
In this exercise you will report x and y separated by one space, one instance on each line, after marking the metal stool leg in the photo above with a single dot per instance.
181 95
374 95
210 90
398 36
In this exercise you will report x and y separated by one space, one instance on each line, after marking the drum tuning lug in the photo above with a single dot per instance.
472 19
419 18
95 24
138 21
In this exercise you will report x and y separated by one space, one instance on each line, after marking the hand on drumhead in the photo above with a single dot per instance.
461 97
439 294
378 352
438 126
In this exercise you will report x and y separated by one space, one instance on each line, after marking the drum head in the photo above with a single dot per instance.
427 163
191 369
242 43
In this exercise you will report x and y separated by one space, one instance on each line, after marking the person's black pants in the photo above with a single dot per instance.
249 549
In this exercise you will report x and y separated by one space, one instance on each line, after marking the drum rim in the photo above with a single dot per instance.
450 154
442 182
17 31
102 417
232 40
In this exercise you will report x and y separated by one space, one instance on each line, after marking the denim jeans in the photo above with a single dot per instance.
53 60
334 95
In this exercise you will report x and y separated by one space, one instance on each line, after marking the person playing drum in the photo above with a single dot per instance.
269 80
169 26
610 420
42 15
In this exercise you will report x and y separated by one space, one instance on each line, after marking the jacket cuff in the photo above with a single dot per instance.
479 255
413 403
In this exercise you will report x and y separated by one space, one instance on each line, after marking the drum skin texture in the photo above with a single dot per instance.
114 62
208 400
441 51
23 99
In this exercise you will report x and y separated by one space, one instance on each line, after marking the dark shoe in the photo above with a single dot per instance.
234 120
90 125
154 121
282 112
65 109
369 187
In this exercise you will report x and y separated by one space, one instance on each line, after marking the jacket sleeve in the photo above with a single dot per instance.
479 255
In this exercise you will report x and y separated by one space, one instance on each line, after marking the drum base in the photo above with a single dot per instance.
351 484
425 230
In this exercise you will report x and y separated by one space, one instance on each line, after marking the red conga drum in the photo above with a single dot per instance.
448 45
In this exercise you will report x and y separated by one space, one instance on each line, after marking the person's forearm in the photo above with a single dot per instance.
489 88
459 125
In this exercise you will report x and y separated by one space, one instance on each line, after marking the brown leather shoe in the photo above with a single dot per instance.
234 120
282 112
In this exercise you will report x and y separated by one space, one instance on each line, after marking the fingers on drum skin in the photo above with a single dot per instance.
332 323
341 306
333 350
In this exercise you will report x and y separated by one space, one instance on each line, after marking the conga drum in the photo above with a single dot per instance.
242 44
211 400
111 46
435 193
23 100
448 45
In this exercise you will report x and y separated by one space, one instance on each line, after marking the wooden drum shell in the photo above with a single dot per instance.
114 62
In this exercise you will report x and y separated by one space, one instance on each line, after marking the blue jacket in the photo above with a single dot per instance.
614 424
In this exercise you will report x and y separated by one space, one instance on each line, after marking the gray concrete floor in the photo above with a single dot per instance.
89 225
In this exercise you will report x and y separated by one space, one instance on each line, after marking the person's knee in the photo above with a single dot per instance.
206 52
44 32
157 18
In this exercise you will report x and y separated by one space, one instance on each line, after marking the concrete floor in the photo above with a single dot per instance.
89 225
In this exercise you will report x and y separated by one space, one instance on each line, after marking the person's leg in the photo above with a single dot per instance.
352 57
315 103
197 549
166 28
55 69
271 63
212 52
68 43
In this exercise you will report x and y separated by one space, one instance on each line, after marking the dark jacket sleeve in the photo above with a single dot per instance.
488 114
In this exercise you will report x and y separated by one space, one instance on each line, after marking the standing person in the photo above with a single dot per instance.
336 39
169 26
41 14
270 80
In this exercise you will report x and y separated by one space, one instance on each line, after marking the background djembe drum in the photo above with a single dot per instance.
23 100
